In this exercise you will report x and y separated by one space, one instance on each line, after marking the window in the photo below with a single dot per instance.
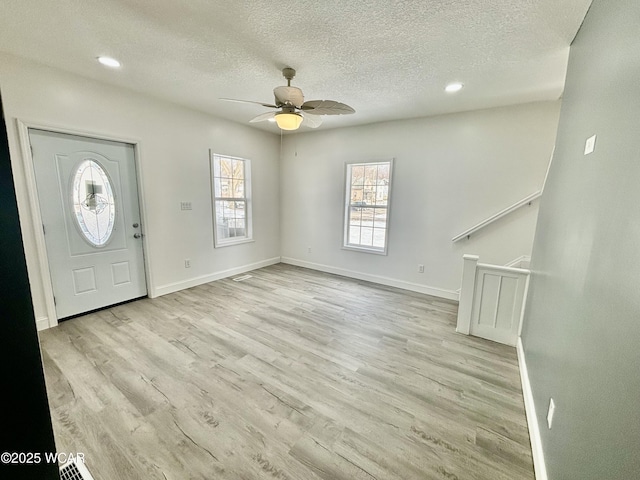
231 200
367 206
93 203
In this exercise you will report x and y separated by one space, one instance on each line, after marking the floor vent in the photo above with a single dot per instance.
74 471
242 278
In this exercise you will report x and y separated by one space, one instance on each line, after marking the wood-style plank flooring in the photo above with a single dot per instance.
291 374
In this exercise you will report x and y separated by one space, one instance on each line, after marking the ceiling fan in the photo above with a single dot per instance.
291 109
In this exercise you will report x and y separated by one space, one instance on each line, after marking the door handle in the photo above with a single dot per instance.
136 235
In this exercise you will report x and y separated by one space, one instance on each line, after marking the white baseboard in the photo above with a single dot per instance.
532 420
392 282
42 323
194 282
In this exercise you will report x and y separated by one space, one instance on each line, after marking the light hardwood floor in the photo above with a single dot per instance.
292 374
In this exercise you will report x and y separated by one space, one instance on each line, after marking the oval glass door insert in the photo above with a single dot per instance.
93 203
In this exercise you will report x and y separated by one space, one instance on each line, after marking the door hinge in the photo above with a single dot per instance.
31 148
54 300
43 229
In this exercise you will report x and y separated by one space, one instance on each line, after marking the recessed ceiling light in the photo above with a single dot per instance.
454 87
109 62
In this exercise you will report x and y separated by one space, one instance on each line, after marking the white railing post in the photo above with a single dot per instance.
467 292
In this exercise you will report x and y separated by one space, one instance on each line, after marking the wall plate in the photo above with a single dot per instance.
550 412
590 145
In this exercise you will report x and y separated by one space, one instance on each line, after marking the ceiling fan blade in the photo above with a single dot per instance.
288 95
262 117
311 121
268 105
326 107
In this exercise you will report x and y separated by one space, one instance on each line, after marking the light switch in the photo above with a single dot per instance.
550 412
590 145
185 205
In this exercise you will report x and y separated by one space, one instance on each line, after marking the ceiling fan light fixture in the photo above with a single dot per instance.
288 121
289 106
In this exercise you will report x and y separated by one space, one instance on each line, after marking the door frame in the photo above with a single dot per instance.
43 273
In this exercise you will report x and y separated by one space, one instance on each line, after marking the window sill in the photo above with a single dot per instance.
364 250
233 242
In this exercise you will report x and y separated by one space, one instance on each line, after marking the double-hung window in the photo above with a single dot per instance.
231 181
368 191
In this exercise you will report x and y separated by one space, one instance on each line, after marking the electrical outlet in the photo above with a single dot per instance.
550 412
187 263
420 268
309 250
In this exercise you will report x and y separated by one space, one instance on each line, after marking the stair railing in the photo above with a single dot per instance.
525 201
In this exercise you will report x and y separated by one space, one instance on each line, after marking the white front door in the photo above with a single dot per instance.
88 198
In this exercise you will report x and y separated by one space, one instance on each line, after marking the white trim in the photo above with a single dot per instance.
518 261
42 323
194 282
498 268
347 205
36 218
364 249
539 465
235 242
247 199
524 304
392 282
23 127
546 175
142 206
468 286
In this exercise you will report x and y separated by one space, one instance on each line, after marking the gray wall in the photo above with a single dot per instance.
450 172
582 330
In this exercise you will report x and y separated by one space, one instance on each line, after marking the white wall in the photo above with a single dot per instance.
450 173
174 144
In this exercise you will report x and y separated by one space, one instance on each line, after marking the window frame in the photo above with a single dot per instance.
248 218
348 205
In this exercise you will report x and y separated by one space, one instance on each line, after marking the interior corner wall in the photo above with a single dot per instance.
174 145
450 172
582 327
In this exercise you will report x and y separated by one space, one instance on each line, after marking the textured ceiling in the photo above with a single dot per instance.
388 59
